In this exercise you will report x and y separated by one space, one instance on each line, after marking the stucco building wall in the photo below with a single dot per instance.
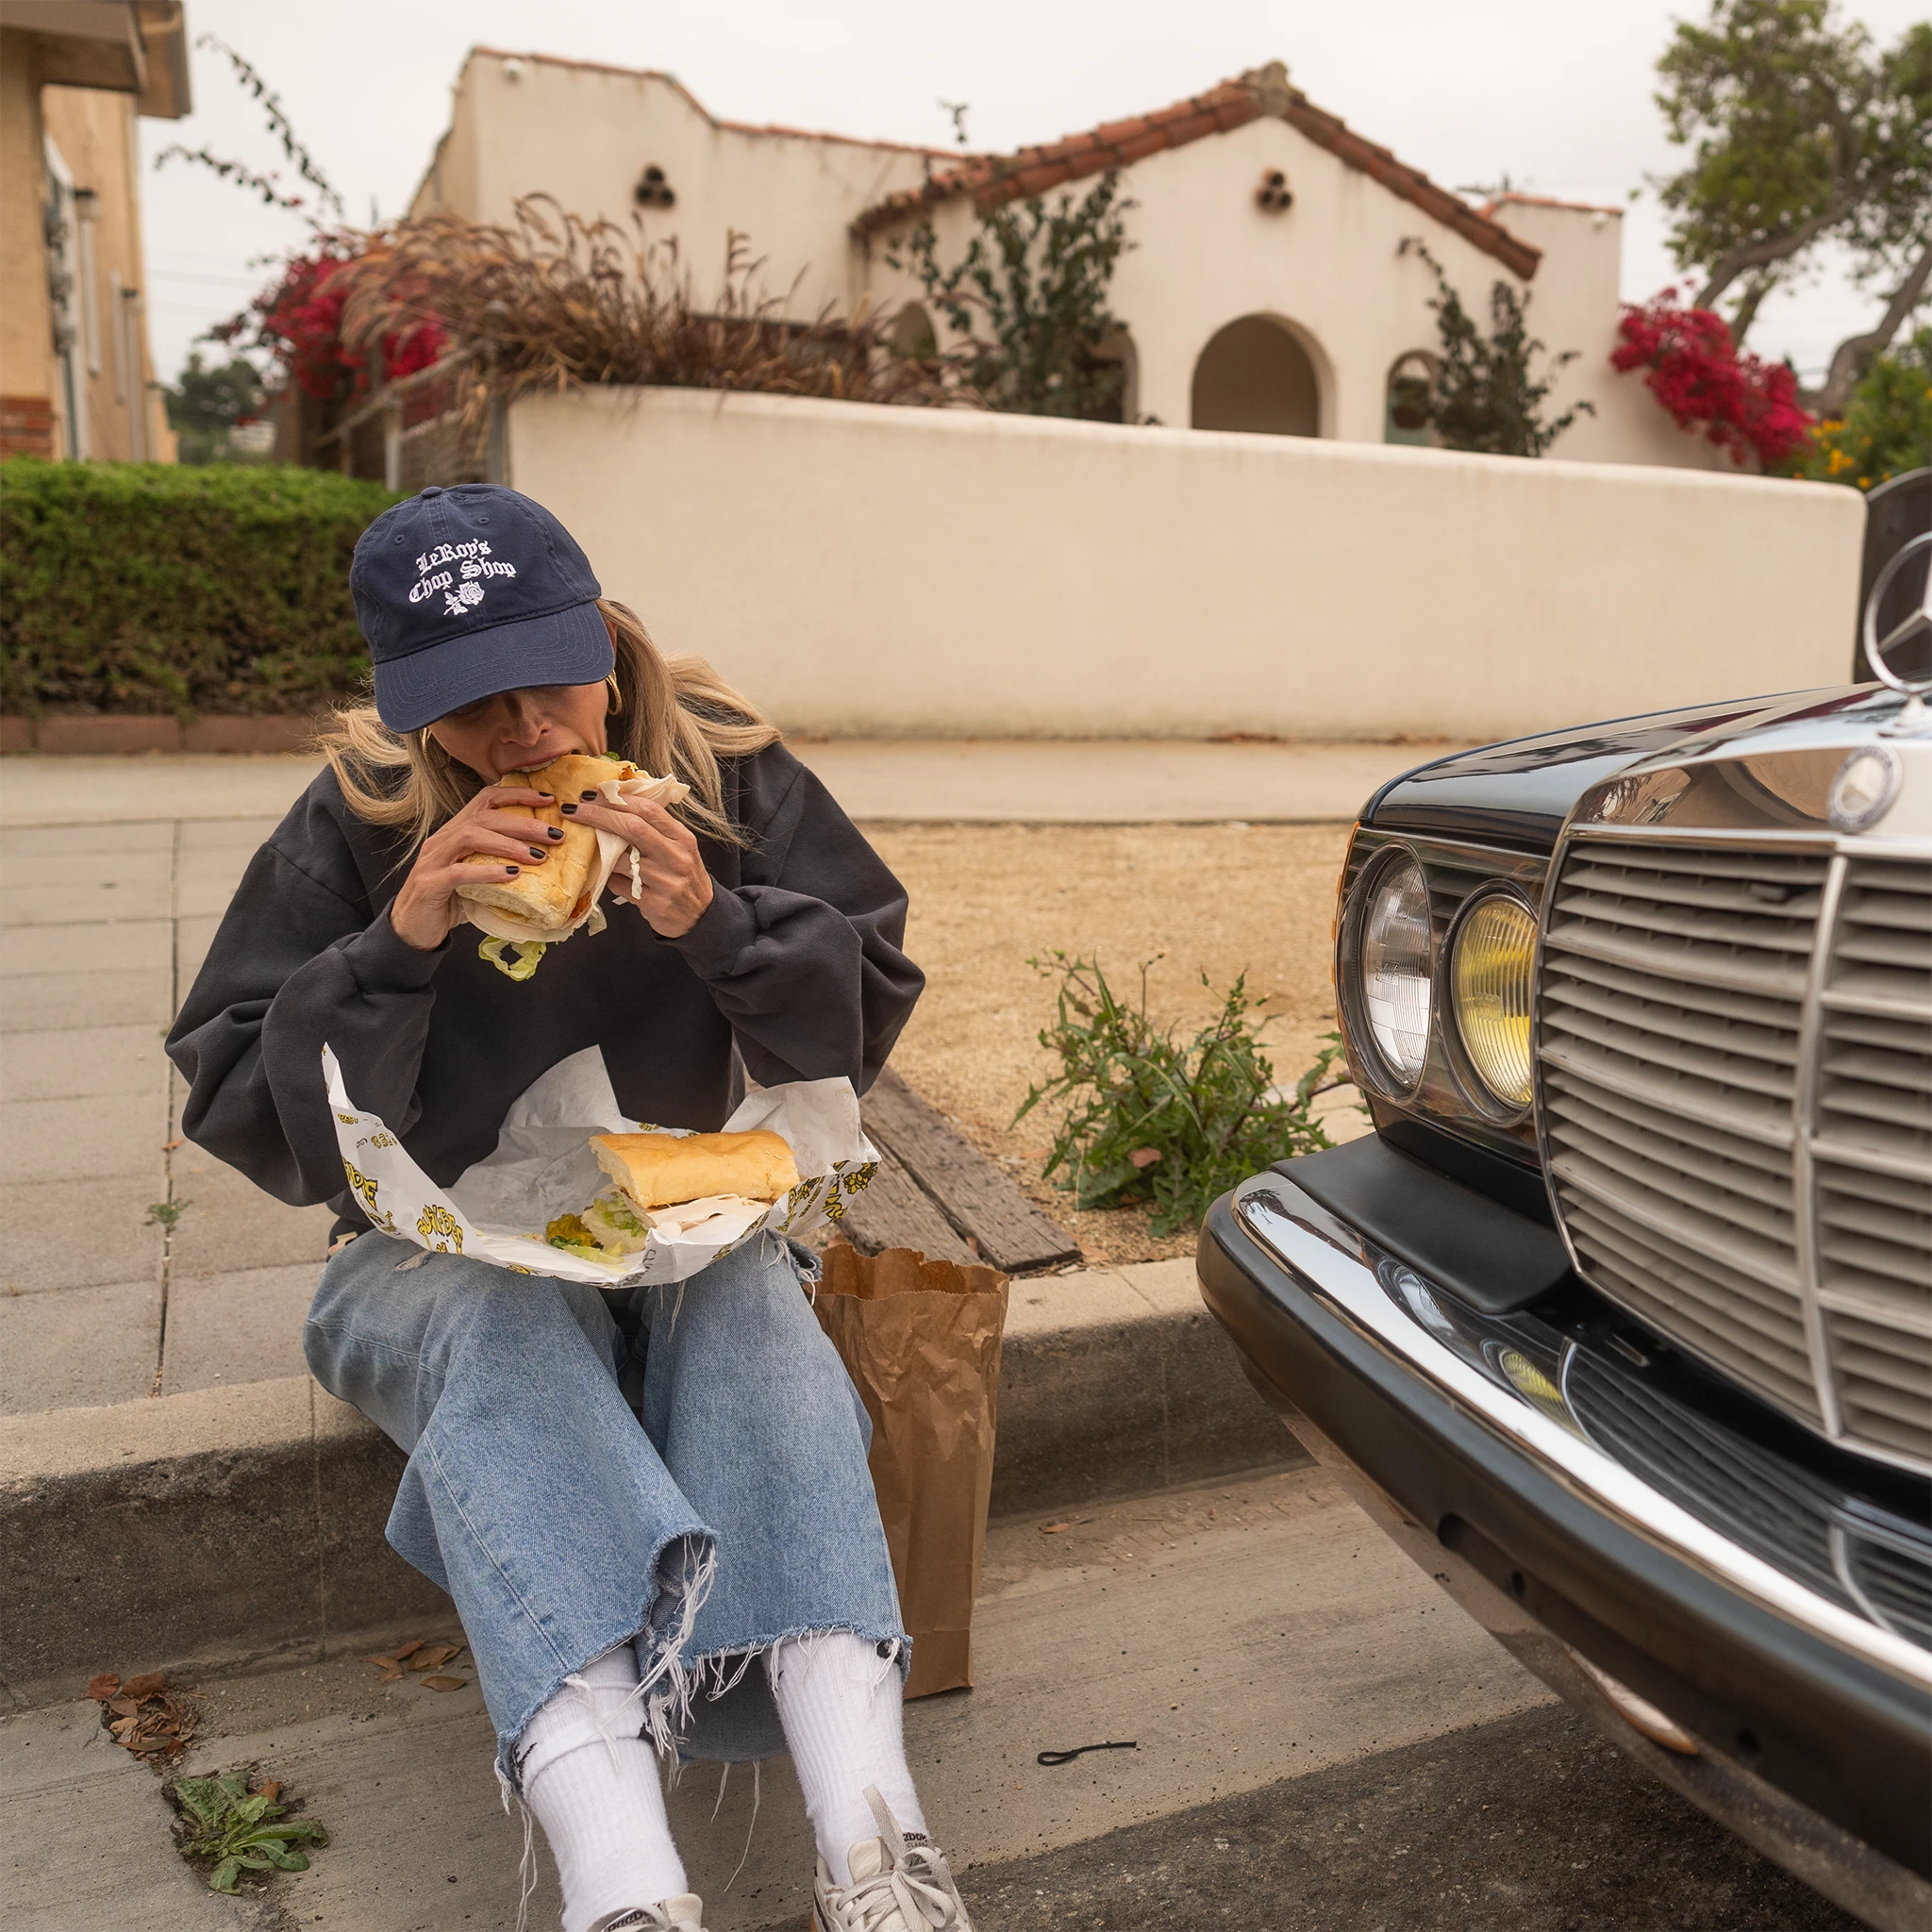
584 135
896 571
1325 270
76 379
123 413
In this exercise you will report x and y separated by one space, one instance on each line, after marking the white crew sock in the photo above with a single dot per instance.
593 1782
839 1701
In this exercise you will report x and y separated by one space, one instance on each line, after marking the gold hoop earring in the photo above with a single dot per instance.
616 709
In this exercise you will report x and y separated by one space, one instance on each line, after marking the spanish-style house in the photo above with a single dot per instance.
1266 288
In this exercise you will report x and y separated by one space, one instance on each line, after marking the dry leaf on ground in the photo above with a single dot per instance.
422 1653
444 1682
144 1716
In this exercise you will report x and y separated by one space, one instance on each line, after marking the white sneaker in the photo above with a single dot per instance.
897 1886
684 1913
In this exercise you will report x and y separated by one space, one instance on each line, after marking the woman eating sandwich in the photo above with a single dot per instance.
703 1572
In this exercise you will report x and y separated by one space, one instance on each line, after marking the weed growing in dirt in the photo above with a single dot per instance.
225 1824
1149 1116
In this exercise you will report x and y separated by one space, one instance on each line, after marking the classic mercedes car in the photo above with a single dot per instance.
1620 1322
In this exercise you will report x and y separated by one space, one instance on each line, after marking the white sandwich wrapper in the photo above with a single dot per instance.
543 1167
502 924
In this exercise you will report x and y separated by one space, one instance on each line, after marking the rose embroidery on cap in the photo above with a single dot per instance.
475 566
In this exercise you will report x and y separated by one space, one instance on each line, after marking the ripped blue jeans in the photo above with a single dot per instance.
733 1511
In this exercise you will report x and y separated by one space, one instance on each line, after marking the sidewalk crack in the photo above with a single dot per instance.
166 1212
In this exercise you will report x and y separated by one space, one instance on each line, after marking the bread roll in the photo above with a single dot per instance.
664 1170
552 895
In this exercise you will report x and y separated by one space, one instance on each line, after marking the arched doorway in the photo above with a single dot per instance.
1253 374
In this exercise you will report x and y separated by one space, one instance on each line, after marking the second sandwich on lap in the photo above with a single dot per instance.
670 1184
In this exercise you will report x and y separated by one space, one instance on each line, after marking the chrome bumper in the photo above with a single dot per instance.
1338 1266
1808 1730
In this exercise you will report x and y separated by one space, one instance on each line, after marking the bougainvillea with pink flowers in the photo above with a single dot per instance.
298 320
1743 402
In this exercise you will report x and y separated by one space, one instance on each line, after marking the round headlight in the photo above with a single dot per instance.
1395 944
1490 976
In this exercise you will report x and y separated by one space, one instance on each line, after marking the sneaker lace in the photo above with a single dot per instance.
916 1884
916 1887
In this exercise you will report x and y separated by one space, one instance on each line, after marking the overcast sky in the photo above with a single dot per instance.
1556 95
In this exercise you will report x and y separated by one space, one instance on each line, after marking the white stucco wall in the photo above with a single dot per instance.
1205 255
584 134
1575 304
893 571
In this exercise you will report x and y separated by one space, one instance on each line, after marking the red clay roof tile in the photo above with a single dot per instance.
993 180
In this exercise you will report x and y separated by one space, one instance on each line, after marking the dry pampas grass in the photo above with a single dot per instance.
556 301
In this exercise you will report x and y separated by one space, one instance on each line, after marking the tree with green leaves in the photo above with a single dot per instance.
1887 426
206 404
1030 298
1801 133
1483 394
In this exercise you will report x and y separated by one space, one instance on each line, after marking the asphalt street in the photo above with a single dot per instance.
1530 1824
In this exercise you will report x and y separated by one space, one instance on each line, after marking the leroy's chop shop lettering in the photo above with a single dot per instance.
473 560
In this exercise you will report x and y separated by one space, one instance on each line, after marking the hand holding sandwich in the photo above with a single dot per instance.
675 888
483 844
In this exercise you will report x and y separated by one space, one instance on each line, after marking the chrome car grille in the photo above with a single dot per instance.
1739 1144
1879 1564
1672 990
1872 1153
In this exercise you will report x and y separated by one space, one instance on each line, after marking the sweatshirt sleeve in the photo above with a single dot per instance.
804 957
298 963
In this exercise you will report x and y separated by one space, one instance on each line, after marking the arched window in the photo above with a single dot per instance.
1253 374
910 334
1405 415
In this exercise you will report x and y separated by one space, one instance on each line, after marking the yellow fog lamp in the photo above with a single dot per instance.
1490 987
1536 1388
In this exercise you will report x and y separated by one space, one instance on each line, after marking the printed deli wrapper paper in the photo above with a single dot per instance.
543 1167
503 924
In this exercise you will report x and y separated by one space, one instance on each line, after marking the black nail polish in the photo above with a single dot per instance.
512 867
536 852
568 810
546 794
590 798
554 831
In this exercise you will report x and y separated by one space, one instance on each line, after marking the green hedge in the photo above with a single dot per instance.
150 587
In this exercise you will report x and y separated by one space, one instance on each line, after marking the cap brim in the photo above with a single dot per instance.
561 648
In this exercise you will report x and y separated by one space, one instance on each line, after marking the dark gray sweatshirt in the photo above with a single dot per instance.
798 959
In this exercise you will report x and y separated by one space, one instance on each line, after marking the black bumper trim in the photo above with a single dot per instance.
1833 1730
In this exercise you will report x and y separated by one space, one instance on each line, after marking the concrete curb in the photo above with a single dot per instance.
240 1523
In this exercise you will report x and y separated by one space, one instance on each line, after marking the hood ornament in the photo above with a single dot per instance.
1910 639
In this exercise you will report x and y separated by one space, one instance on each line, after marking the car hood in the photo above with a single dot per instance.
1519 792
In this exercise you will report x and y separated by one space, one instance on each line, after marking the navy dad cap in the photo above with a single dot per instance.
467 591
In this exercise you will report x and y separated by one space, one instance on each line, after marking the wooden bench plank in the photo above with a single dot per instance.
975 1197
893 1212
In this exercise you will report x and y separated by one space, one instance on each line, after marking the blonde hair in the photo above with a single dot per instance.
676 718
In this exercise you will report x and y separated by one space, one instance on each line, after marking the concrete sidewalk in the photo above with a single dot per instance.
1238 1634
1096 781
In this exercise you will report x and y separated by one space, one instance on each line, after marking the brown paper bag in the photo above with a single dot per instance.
920 1340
